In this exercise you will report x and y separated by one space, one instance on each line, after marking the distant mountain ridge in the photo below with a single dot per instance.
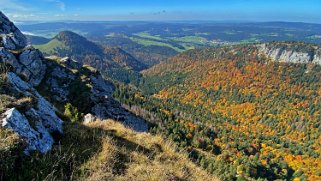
113 63
68 43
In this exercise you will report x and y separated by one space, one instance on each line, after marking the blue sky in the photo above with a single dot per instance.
217 10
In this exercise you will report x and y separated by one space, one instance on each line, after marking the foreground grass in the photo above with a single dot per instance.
105 150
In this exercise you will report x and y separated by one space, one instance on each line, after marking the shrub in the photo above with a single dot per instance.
72 113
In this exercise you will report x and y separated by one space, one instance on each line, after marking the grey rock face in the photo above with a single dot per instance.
317 57
106 107
286 53
48 115
9 58
19 84
11 36
58 83
34 69
26 61
46 122
29 65
37 138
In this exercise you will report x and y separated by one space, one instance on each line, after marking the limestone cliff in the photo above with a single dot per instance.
291 52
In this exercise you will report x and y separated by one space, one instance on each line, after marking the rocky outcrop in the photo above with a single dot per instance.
105 106
292 53
62 77
45 122
39 124
26 61
11 37
28 65
33 68
44 109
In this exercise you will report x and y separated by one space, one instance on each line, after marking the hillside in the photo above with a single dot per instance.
36 40
242 111
113 62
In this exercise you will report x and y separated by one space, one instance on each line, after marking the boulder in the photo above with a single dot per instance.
317 57
70 63
88 118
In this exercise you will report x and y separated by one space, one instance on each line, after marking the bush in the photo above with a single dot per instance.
72 113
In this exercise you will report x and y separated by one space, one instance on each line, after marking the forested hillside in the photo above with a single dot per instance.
240 114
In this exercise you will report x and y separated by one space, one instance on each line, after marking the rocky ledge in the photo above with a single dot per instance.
291 52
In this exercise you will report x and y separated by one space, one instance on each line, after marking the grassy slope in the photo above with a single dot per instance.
51 46
142 156
107 151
